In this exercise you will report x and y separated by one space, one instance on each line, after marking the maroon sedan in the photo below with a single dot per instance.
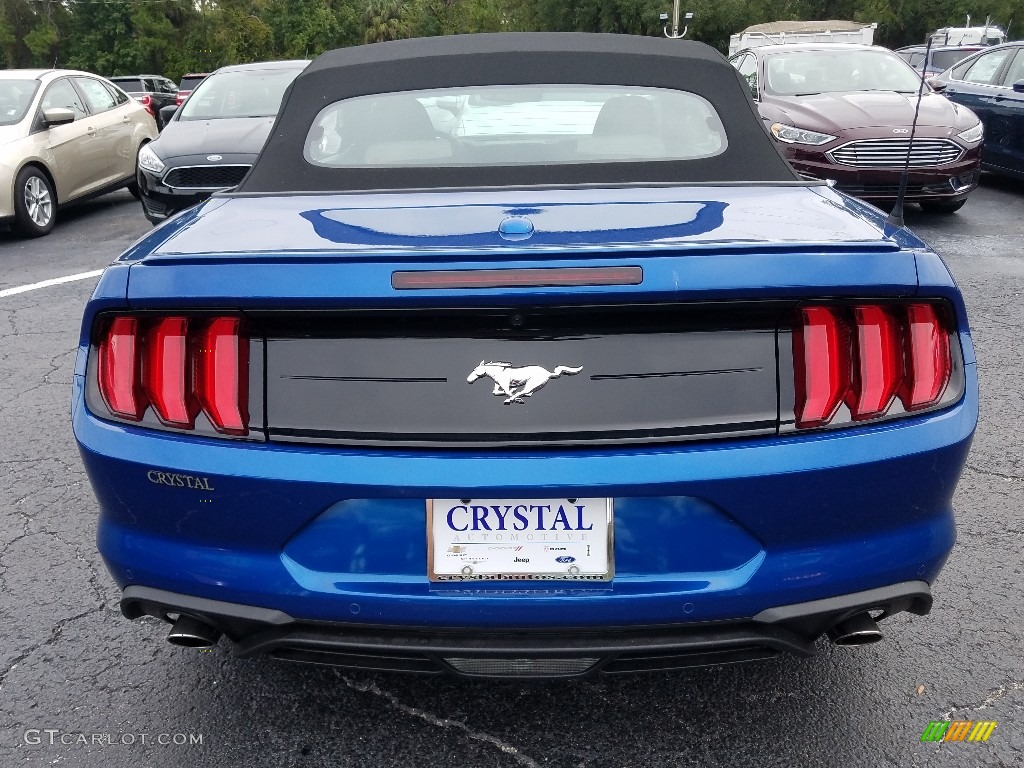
844 112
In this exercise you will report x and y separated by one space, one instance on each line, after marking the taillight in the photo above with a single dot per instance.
118 369
221 380
146 100
877 362
822 355
178 366
166 373
927 358
867 356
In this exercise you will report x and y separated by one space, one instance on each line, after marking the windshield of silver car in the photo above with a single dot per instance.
15 99
499 125
806 73
243 93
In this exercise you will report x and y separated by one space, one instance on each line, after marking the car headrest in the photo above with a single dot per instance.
626 115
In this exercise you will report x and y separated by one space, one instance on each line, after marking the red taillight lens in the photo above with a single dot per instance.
167 374
877 362
221 379
146 100
179 366
821 351
927 358
118 369
868 355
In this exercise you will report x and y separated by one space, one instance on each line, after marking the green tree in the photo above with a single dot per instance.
175 36
24 41
306 28
101 39
385 20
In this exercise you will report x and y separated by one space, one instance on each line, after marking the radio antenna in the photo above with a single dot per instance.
895 218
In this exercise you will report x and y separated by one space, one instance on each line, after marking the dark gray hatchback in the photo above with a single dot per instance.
213 139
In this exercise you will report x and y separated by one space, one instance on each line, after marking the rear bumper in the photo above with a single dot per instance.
704 532
572 652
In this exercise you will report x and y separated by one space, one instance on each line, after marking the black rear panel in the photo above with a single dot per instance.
559 376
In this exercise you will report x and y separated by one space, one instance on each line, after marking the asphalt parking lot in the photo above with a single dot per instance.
72 670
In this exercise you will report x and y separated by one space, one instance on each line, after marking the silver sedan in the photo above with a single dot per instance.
64 136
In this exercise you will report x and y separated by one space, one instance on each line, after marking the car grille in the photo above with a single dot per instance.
892 153
205 176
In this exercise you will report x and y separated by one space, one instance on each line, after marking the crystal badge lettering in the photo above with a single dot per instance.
175 480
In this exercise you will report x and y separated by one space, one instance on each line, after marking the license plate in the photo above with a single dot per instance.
519 539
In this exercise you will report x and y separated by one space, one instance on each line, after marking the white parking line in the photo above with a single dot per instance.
48 283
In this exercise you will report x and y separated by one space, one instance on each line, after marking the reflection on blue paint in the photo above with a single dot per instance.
555 224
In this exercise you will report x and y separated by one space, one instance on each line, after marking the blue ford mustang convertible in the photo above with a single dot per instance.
525 355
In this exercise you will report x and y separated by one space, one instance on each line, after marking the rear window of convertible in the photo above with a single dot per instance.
515 125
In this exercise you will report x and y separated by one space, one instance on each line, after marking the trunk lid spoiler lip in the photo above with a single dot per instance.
431 258
572 223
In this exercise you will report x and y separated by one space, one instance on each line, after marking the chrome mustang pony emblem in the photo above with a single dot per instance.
517 383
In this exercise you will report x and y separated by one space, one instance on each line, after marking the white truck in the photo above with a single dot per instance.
776 32
988 35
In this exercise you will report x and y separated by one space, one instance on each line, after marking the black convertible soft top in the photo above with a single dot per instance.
516 59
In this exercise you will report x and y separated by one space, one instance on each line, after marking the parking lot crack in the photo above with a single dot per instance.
1000 475
5 549
441 722
990 701
94 576
55 634
55 364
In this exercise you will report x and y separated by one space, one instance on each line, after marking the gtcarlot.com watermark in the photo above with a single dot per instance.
55 736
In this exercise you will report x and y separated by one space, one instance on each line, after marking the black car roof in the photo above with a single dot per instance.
516 59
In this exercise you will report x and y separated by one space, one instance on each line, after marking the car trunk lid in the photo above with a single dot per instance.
495 224
692 349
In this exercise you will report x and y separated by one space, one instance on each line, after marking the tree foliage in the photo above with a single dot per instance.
385 20
114 37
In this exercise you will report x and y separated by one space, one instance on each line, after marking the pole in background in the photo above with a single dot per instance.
895 217
675 34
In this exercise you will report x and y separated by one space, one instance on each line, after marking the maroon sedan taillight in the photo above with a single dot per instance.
867 356
178 366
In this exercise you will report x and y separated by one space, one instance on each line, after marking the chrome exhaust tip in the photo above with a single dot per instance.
190 632
859 629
